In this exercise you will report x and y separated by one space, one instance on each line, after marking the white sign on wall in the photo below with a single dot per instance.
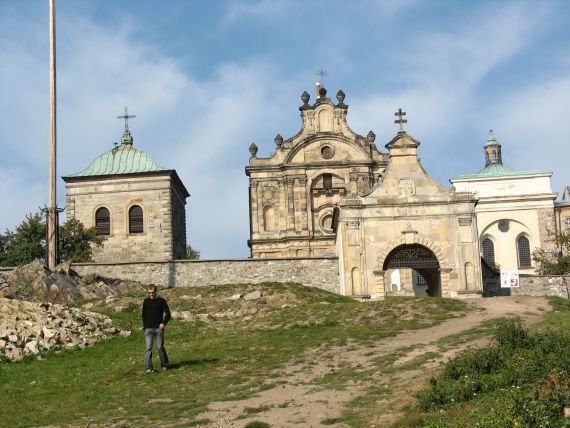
509 278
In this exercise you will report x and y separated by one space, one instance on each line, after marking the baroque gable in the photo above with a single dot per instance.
293 192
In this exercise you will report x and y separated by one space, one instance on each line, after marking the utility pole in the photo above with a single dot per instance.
52 212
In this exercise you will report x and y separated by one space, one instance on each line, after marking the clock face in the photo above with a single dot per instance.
267 194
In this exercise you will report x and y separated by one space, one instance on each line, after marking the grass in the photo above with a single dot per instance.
219 359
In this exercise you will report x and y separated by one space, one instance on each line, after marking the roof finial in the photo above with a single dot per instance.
400 119
126 117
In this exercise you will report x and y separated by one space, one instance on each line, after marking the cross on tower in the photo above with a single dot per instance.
400 119
126 117
322 73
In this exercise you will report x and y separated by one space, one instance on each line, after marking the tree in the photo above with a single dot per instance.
76 242
558 261
191 253
27 242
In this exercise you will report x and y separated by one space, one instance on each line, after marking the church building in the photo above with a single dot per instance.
136 204
293 192
515 210
328 191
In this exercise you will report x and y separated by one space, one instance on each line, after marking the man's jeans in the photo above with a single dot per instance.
150 334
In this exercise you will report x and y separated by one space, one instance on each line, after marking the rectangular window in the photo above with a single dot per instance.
327 181
567 222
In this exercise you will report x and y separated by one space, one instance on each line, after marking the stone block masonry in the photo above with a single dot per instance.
315 272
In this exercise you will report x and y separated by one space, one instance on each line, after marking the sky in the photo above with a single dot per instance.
205 79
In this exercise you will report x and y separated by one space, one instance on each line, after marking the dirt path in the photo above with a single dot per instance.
300 401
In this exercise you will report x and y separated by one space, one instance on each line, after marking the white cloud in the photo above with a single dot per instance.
534 129
263 9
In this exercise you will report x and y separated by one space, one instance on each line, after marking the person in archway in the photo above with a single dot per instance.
155 315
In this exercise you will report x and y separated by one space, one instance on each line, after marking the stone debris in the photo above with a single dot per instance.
33 282
181 315
30 327
254 295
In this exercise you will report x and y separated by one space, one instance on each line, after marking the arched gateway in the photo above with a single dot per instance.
419 269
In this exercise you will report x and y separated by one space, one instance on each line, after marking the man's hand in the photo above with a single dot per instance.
161 326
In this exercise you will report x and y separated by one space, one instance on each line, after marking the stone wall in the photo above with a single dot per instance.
532 285
316 272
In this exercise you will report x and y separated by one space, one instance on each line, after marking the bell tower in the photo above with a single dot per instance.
493 151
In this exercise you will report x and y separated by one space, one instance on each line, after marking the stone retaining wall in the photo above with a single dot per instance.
532 285
316 272
538 285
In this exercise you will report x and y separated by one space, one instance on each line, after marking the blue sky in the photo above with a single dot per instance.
208 78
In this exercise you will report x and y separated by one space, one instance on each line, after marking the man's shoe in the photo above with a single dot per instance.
164 368
149 371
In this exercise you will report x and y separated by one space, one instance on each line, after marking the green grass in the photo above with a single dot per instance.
217 360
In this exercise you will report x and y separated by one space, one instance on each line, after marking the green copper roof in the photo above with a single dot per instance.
499 170
124 159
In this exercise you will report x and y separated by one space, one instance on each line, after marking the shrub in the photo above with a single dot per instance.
510 333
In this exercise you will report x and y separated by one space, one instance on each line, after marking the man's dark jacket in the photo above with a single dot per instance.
155 312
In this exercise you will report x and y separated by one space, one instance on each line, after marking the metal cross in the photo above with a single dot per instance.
126 117
401 121
322 73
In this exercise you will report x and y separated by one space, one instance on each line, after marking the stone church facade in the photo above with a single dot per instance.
138 206
293 192
410 225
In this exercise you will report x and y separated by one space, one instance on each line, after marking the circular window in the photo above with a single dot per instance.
327 152
504 225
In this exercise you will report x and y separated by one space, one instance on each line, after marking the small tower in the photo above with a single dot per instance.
493 151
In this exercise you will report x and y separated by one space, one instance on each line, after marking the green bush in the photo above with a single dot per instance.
521 380
510 333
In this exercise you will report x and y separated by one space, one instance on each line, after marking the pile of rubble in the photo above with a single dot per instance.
34 282
35 316
29 327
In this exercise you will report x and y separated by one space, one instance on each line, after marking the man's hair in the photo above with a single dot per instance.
151 287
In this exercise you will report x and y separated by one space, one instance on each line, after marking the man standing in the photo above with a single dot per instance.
155 315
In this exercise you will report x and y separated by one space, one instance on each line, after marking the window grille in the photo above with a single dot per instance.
136 219
523 251
421 279
488 251
103 221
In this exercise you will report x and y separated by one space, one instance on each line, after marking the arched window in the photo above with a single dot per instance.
488 251
103 221
136 219
493 156
523 251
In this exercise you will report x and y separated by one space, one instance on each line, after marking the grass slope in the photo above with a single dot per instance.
227 351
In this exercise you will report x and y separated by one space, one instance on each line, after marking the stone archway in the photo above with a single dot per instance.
409 258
